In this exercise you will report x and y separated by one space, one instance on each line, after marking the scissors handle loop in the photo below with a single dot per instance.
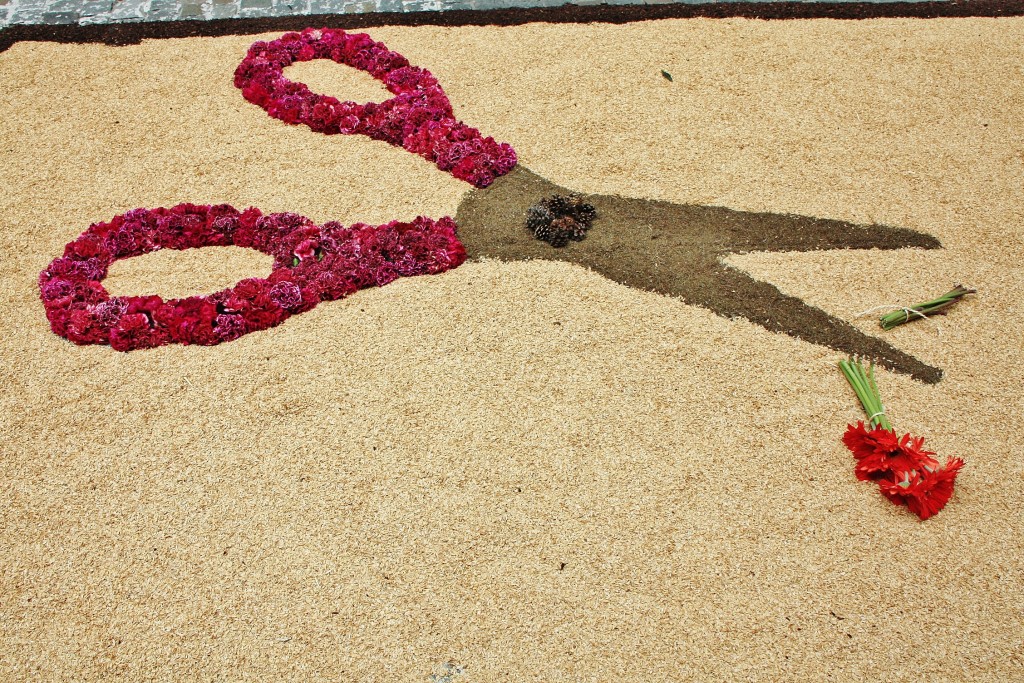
312 263
418 118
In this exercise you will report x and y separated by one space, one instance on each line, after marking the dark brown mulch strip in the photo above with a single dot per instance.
676 249
131 33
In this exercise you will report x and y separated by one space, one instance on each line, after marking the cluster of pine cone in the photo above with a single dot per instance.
560 218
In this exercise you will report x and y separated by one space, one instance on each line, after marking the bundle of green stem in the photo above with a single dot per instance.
863 382
905 472
923 310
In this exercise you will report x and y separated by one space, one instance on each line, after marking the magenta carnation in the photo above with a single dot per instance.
286 294
229 327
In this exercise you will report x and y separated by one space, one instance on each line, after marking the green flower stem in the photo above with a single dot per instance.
923 310
863 383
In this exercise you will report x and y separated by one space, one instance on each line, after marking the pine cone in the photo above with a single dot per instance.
578 231
538 218
563 229
560 218
560 204
584 213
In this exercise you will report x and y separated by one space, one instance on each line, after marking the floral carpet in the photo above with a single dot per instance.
526 369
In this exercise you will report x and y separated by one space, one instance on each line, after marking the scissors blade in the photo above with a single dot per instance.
678 250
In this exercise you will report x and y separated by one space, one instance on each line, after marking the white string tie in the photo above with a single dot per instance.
906 310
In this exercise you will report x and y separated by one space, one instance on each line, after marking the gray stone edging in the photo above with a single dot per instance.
84 12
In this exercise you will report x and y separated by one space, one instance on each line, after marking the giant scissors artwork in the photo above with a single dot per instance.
314 263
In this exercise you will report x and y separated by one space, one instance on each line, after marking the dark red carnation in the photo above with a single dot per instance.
86 247
249 289
133 332
83 328
263 313
187 321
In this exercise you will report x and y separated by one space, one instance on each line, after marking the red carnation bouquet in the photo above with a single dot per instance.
906 473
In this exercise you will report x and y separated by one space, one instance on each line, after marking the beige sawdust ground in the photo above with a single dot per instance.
396 480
